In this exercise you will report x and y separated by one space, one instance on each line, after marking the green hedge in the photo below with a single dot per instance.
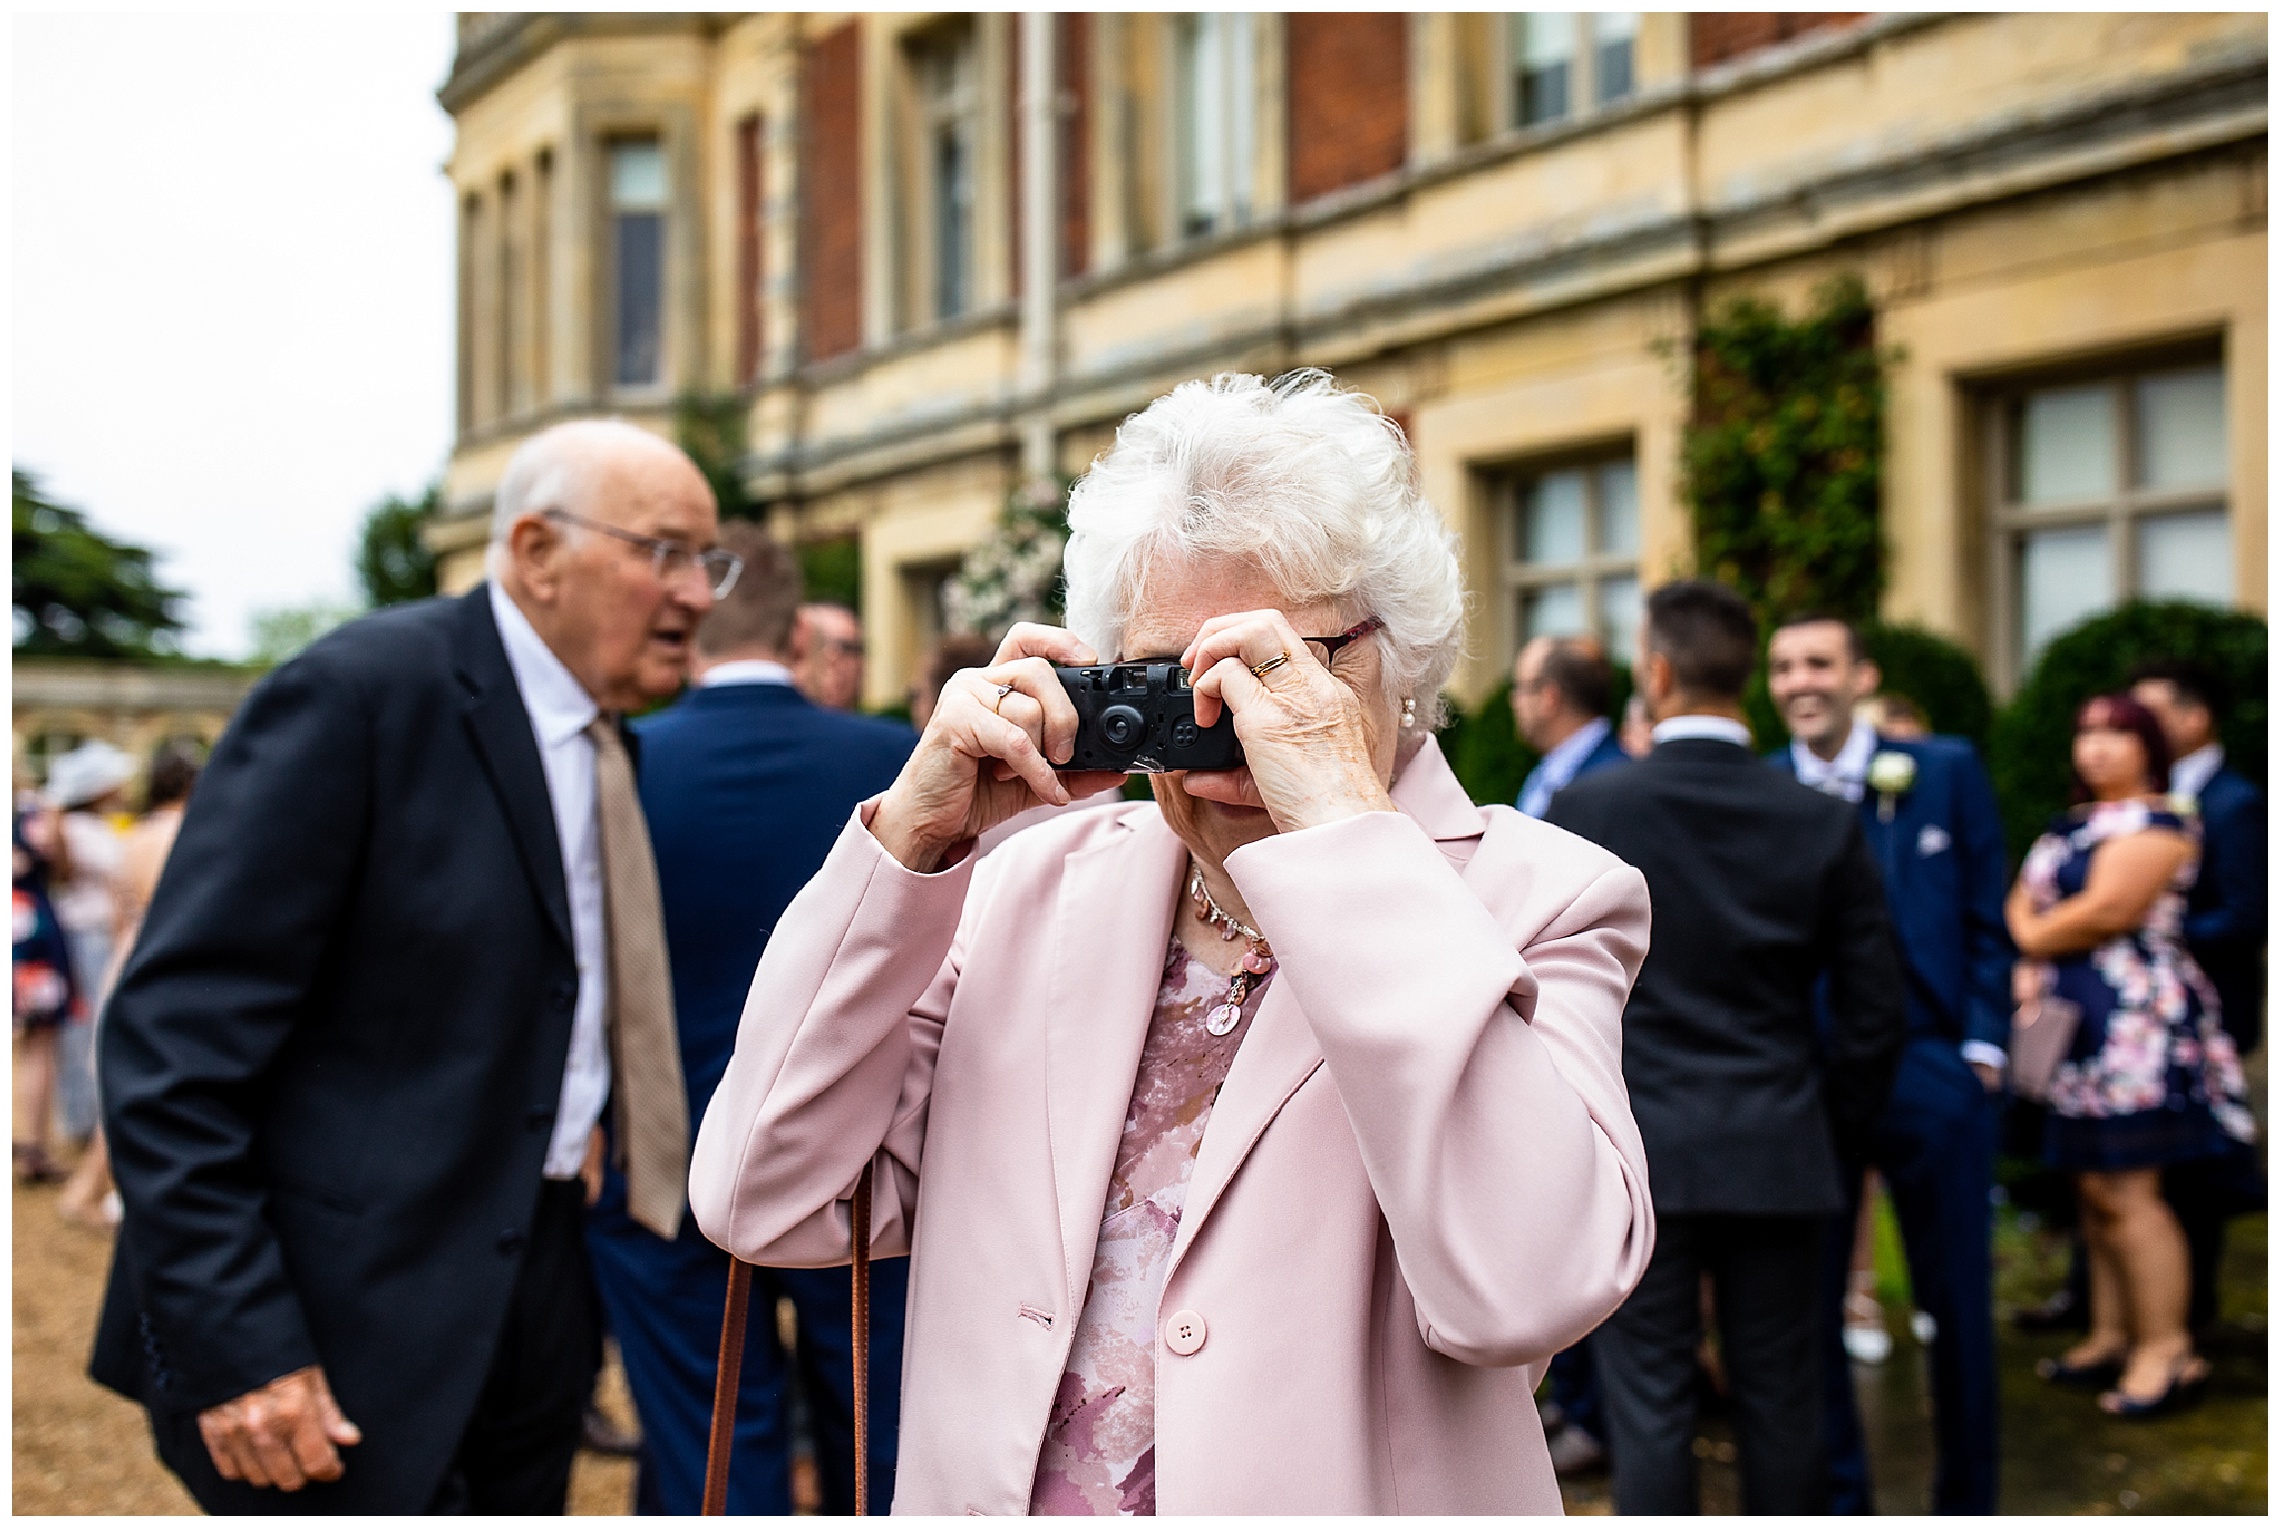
2033 738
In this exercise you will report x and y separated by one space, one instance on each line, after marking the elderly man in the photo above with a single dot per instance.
406 951
827 655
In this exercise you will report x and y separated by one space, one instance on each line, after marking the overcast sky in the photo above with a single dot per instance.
232 288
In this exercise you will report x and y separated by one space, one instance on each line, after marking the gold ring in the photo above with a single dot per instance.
1262 670
1003 691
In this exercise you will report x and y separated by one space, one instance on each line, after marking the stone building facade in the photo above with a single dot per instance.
58 703
937 254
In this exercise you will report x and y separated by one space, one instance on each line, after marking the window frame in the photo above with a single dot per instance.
1584 87
922 114
1239 80
610 334
1517 578
2008 521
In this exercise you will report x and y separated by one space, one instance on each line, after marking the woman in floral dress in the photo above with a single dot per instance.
2151 1077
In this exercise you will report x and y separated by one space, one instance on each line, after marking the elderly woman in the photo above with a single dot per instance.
1256 1146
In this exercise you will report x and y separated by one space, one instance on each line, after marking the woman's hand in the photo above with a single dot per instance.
1306 748
988 752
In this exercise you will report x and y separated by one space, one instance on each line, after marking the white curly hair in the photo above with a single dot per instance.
1305 480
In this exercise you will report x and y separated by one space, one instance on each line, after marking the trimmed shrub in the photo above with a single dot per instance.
2033 738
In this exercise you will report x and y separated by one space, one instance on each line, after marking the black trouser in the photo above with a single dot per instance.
515 1455
1765 1278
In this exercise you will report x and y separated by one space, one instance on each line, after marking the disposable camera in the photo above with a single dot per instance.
1141 717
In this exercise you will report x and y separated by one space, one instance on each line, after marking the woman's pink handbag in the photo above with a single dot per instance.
2042 1032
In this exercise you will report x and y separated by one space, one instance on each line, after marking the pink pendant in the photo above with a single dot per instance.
1227 933
1256 963
1223 1020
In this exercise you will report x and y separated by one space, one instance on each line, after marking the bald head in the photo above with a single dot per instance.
593 536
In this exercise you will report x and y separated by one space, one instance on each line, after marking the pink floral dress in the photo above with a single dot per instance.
2152 1077
1099 1455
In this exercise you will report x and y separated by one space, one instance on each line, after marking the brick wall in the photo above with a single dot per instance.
831 195
1716 36
1349 99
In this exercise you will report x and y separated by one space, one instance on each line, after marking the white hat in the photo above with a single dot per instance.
88 773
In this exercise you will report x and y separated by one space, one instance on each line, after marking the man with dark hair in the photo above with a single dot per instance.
1562 691
746 783
1928 812
2224 929
1761 890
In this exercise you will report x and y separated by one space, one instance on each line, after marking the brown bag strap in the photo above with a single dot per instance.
730 1371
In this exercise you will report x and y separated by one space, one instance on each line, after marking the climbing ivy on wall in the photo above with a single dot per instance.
1785 452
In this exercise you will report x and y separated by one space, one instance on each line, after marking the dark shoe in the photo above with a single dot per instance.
600 1435
2182 1391
2059 1313
1576 1452
2097 1374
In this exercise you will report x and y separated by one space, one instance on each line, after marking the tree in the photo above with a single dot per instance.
280 632
392 562
79 593
710 428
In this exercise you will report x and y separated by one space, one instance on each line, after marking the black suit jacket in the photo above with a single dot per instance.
331 1068
1761 887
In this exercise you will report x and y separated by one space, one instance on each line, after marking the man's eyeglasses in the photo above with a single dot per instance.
668 558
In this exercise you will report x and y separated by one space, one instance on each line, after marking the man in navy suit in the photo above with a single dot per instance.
1562 691
1929 815
2224 928
745 784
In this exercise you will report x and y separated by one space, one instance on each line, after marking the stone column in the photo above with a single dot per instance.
1040 240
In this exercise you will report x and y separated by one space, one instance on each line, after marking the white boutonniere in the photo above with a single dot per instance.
1890 774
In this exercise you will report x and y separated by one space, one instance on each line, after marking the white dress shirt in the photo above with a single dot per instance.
1724 729
560 710
1845 775
747 671
2191 775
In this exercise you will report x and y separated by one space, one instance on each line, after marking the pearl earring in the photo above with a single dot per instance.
1409 711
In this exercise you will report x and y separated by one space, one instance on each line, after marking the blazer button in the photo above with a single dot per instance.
510 1241
565 994
1184 1332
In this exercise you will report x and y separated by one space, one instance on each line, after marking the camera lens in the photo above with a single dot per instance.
1121 726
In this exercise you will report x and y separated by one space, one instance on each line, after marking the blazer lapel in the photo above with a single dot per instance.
501 729
1280 1052
1112 926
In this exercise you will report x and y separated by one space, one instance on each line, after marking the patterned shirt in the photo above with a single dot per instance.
1099 1456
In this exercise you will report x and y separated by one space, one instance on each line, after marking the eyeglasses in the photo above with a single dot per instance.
668 559
1327 648
1324 649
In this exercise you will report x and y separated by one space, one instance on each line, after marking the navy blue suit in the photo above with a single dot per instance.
745 787
1945 875
1574 1389
2224 916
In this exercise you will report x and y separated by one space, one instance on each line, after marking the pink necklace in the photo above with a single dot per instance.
1258 960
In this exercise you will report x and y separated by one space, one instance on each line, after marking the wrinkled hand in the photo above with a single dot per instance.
286 1434
590 1170
1990 1076
985 758
1306 752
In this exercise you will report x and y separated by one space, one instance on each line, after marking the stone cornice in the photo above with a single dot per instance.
98 684
505 41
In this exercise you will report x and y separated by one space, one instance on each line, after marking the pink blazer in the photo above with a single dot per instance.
1420 1180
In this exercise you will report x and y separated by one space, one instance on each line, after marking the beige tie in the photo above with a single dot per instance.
645 1051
